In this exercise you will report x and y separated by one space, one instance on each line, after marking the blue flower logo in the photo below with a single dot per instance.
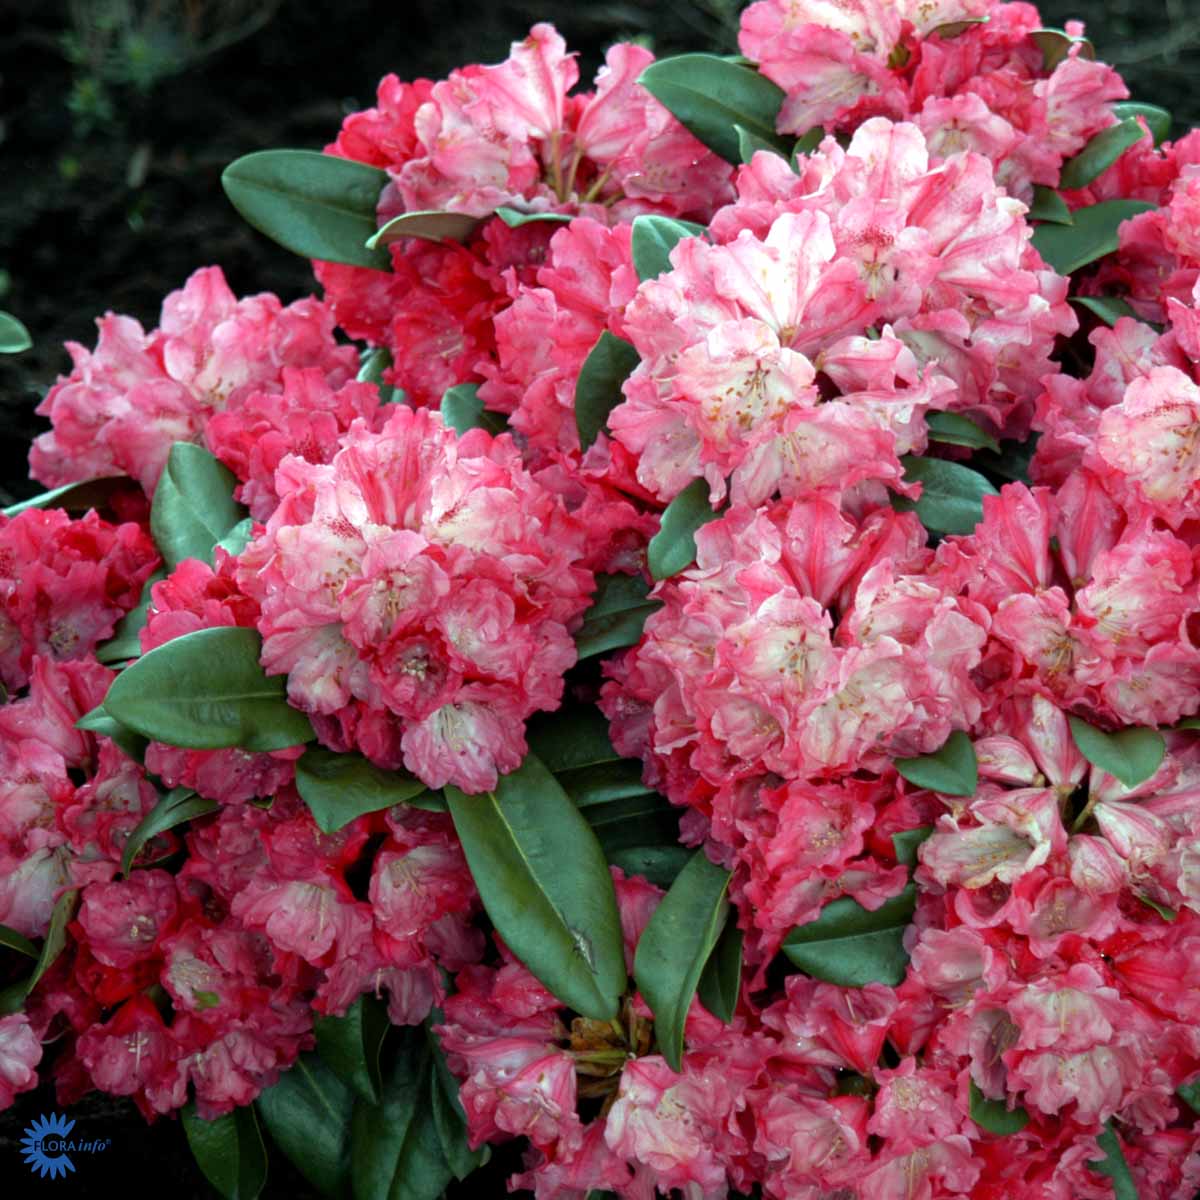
43 1144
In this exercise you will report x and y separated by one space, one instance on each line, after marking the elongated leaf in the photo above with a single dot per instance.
372 365
206 691
951 494
1055 44
229 1150
430 225
14 337
339 787
953 29
175 808
1113 1165
721 981
307 1114
542 877
952 769
711 97
603 784
647 819
659 864
55 940
462 409
1110 309
995 1116
807 144
1167 914
850 946
395 1150
18 942
316 205
1131 755
653 240
514 219
1048 205
1102 150
598 390
1189 1093
126 641
133 745
351 1045
617 615
1092 235
675 946
1157 119
956 430
673 548
449 1119
193 505
907 843
571 738
749 144
74 497
1011 463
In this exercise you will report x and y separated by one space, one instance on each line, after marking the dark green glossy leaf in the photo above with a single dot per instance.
1055 44
372 365
546 886
951 496
653 240
175 808
126 641
1130 755
307 1114
1012 463
572 738
598 390
316 205
673 548
1092 235
749 144
429 225
956 430
1113 1165
721 982
514 219
229 1150
850 946
133 745
1110 309
1102 150
1157 119
676 944
1048 205
1190 1095
617 615
206 691
659 864
711 96
193 505
646 819
906 844
351 1044
462 409
14 337
995 1116
55 940
952 769
74 497
603 784
449 1118
18 942
807 144
339 787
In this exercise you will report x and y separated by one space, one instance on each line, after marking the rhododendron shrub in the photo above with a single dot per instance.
684 663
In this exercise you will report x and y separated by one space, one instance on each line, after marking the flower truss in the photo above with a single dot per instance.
704 696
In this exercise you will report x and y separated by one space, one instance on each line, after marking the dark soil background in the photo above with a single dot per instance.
116 120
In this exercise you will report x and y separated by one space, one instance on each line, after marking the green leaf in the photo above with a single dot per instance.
206 691
429 225
617 615
351 1045
956 430
229 1150
807 144
647 819
659 864
952 770
1012 462
906 843
951 494
711 97
1157 119
55 940
177 807
598 390
750 144
193 505
571 739
395 1150
1055 45
308 1114
673 548
1113 1164
604 784
514 219
1167 914
1102 150
1190 1095
449 1119
721 982
126 641
340 787
852 947
1093 234
1048 205
14 337
74 497
1110 309
316 205
18 942
372 365
995 1116
239 537
546 886
462 409
1130 755
676 944
133 745
653 240
953 29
